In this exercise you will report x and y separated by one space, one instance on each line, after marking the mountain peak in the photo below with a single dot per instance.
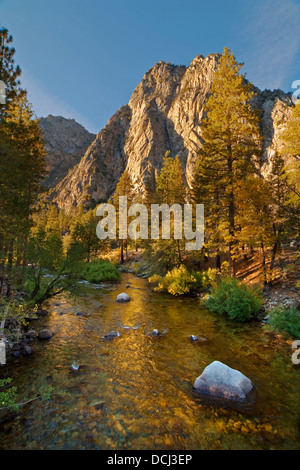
165 112
65 143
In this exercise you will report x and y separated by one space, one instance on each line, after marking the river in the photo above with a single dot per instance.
136 391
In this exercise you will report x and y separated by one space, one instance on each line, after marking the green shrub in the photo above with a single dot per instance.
8 397
234 300
100 271
178 281
285 319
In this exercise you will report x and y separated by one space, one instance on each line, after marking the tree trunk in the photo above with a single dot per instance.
205 257
122 253
8 288
264 263
37 285
218 261
24 261
274 251
179 252
244 253
231 213
10 256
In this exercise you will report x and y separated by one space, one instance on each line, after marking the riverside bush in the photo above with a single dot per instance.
234 300
100 271
209 278
285 319
178 281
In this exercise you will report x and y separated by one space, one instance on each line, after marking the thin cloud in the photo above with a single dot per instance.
272 40
45 102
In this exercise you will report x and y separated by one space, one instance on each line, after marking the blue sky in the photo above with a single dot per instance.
83 59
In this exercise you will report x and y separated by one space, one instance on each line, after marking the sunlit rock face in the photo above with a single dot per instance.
276 109
165 112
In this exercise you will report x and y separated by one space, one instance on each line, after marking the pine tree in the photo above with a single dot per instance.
22 161
211 196
53 224
124 188
170 188
84 239
254 202
282 213
230 152
149 196
22 172
9 72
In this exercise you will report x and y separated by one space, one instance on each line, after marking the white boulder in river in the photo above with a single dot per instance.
219 380
123 297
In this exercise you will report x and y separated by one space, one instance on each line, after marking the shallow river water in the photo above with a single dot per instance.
136 391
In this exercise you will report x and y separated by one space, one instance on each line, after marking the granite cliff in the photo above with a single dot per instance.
66 142
164 113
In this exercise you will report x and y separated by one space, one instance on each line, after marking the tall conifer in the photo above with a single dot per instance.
230 152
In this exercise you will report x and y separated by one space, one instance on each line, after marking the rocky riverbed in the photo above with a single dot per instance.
135 390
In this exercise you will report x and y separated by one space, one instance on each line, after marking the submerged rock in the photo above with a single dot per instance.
111 335
155 332
98 405
123 297
195 338
125 327
220 381
45 334
27 350
31 334
42 312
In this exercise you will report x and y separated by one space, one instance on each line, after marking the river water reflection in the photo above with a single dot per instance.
135 391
